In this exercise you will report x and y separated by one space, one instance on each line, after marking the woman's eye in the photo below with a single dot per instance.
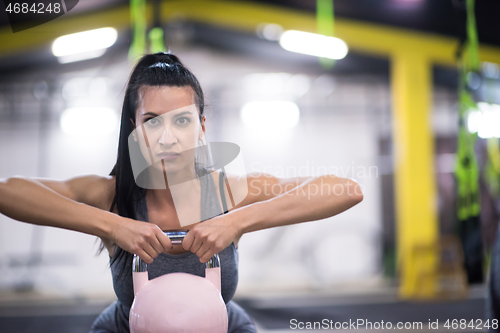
152 122
183 121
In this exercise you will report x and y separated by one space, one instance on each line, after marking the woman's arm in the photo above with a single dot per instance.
28 200
279 202
273 202
79 204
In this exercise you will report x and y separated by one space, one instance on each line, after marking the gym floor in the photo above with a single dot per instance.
272 315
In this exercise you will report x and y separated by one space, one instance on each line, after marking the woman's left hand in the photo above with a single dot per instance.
211 236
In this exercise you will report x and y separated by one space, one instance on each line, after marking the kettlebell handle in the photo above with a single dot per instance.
176 237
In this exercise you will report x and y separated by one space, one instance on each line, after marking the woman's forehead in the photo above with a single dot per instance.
164 99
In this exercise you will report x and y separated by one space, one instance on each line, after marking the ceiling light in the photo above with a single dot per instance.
84 45
313 44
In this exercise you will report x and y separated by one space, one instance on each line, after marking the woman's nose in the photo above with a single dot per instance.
167 138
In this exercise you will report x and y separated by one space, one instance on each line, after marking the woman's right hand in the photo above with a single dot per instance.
145 239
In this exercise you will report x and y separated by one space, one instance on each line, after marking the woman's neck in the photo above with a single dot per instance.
175 189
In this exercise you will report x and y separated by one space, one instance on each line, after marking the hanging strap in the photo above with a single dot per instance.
325 26
139 27
222 193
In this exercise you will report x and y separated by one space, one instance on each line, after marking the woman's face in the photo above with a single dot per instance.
167 127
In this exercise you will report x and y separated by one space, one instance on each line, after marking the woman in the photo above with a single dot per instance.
129 213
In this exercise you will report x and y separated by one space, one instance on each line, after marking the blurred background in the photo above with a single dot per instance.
383 110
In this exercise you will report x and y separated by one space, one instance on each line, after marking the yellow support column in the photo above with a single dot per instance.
415 190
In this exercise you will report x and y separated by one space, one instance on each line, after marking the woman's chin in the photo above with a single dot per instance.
168 168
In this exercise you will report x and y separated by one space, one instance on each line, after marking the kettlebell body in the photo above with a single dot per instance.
178 302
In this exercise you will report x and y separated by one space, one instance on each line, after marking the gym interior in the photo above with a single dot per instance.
405 101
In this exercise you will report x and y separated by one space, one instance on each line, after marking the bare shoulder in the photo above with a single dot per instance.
94 190
99 191
235 188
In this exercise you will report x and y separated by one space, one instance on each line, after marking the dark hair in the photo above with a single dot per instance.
155 70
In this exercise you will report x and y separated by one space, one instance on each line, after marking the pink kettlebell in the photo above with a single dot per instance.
178 302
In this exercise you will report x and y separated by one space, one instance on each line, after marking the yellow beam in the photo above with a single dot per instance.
246 15
415 189
359 36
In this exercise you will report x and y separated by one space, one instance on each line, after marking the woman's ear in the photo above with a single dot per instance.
134 134
202 125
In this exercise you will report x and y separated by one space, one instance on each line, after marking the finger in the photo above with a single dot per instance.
155 243
188 241
145 257
202 250
164 240
206 256
150 250
197 244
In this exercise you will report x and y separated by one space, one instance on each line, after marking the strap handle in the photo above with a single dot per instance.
138 265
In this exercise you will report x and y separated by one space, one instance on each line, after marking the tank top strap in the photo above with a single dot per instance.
210 206
222 193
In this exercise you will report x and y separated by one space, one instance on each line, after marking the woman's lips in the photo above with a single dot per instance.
168 156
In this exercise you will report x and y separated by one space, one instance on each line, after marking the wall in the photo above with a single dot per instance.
340 122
